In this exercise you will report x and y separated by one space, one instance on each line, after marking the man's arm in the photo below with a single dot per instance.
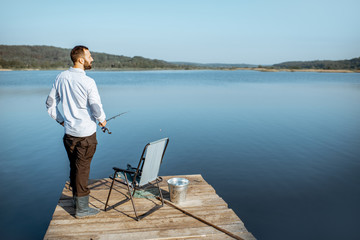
51 104
95 105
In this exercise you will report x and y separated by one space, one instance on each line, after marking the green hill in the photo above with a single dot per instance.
47 57
352 64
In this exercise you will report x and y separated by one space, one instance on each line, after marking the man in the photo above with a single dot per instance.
79 98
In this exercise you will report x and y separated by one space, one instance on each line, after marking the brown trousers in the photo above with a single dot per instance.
80 151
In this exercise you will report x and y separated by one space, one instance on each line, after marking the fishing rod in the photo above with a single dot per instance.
104 129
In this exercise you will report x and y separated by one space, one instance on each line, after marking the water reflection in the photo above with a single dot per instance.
281 148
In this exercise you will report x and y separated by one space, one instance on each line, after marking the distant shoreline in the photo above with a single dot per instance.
299 70
223 69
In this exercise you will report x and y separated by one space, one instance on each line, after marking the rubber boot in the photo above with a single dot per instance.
82 208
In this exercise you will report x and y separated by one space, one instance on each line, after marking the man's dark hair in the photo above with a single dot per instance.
78 52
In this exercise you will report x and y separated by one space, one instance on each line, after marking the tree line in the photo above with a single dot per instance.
47 57
352 64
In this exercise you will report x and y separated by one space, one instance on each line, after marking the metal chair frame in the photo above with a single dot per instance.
134 185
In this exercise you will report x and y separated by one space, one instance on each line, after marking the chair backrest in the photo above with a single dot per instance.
154 154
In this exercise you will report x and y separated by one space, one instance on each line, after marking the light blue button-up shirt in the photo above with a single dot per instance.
80 101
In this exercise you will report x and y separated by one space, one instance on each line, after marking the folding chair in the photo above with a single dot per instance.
146 173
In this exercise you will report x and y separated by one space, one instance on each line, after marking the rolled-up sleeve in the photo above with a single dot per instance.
52 102
95 103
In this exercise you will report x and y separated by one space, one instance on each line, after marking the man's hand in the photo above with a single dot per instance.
103 128
103 124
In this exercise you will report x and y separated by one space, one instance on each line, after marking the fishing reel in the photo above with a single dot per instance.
104 129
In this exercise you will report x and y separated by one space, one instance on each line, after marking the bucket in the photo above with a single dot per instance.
178 188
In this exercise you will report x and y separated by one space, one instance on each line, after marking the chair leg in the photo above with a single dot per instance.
161 196
112 184
131 197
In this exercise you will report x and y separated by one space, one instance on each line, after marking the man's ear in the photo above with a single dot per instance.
81 60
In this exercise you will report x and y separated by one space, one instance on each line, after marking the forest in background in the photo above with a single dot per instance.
20 57
47 57
352 64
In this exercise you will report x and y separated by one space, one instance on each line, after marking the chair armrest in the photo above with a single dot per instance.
122 170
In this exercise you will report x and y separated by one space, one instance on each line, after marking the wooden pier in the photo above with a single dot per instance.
118 221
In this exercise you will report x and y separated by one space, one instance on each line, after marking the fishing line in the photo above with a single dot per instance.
104 129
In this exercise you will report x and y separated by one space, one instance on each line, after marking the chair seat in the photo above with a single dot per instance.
130 177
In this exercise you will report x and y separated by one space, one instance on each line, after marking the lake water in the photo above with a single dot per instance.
282 149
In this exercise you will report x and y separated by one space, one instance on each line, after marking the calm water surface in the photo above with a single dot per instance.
282 149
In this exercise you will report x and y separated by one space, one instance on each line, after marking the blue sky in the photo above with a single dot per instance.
204 31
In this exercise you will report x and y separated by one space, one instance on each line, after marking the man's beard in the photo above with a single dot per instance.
87 65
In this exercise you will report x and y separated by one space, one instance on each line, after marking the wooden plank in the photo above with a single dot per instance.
170 214
123 204
188 233
166 223
192 192
67 213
